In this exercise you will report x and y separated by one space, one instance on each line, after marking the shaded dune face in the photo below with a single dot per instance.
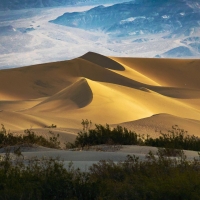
103 89
77 95
167 72
102 61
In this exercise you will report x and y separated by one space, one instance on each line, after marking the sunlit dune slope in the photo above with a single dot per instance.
183 73
77 95
164 123
103 89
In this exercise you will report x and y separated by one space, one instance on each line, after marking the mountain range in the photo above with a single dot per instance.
24 4
140 28
140 17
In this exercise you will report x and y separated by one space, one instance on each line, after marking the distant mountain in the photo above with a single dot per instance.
189 47
176 17
178 52
24 4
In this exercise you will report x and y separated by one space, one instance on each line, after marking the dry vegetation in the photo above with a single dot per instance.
108 90
156 178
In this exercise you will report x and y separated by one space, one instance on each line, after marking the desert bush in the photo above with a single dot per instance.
41 179
52 126
28 138
172 141
53 140
175 139
156 178
106 135
86 124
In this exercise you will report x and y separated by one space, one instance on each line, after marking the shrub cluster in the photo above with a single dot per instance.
28 138
156 178
106 135
43 179
175 139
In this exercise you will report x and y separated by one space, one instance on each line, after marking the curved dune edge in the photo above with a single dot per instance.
107 90
131 73
166 72
77 95
45 80
102 61
110 104
162 122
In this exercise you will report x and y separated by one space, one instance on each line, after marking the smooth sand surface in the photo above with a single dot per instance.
143 94
84 159
162 123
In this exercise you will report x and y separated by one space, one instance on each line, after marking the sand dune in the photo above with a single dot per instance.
18 121
166 72
104 89
77 95
102 61
162 122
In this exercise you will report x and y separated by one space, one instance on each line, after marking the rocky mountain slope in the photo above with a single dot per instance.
23 4
180 17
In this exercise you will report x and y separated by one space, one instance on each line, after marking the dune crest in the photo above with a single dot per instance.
102 61
104 89
77 95
163 122
166 72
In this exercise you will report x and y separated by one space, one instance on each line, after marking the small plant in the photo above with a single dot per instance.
86 124
170 152
54 140
69 145
52 126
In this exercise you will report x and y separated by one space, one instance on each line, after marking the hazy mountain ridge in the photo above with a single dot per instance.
139 17
168 29
24 4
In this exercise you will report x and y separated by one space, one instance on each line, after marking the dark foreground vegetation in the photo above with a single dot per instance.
159 177
156 178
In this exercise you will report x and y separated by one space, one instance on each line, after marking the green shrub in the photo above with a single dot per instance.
28 138
172 141
41 179
175 139
106 135
156 178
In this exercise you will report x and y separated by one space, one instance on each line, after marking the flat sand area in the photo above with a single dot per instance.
84 159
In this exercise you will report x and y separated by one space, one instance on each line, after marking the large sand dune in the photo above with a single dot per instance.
104 89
